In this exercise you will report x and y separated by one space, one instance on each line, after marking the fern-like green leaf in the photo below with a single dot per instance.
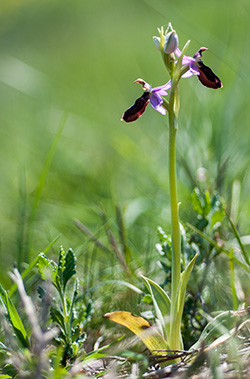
47 268
57 316
61 265
70 267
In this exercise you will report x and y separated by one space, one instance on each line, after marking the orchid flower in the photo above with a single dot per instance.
152 95
196 67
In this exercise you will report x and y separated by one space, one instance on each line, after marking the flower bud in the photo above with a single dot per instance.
171 43
157 43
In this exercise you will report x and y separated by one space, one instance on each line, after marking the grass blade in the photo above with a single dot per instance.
14 317
232 281
237 236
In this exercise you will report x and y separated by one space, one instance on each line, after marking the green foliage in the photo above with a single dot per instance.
53 350
209 214
68 312
208 208
161 302
47 268
14 318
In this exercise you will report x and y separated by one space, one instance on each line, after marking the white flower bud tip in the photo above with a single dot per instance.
171 43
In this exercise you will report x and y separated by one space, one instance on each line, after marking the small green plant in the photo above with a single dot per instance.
67 311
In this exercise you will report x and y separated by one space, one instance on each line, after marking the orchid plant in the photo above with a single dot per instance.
169 309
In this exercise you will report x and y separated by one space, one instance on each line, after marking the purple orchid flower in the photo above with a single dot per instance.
152 95
196 67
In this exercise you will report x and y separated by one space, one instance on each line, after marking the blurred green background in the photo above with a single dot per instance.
81 57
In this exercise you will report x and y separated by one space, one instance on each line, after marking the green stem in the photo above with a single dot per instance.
232 280
174 338
65 314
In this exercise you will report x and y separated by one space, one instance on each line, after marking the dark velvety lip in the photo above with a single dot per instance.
207 77
137 109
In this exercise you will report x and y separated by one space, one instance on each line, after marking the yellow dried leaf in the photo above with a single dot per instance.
141 327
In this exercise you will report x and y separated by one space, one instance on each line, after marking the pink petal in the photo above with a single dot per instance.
187 74
178 52
161 109
165 87
155 100
187 60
